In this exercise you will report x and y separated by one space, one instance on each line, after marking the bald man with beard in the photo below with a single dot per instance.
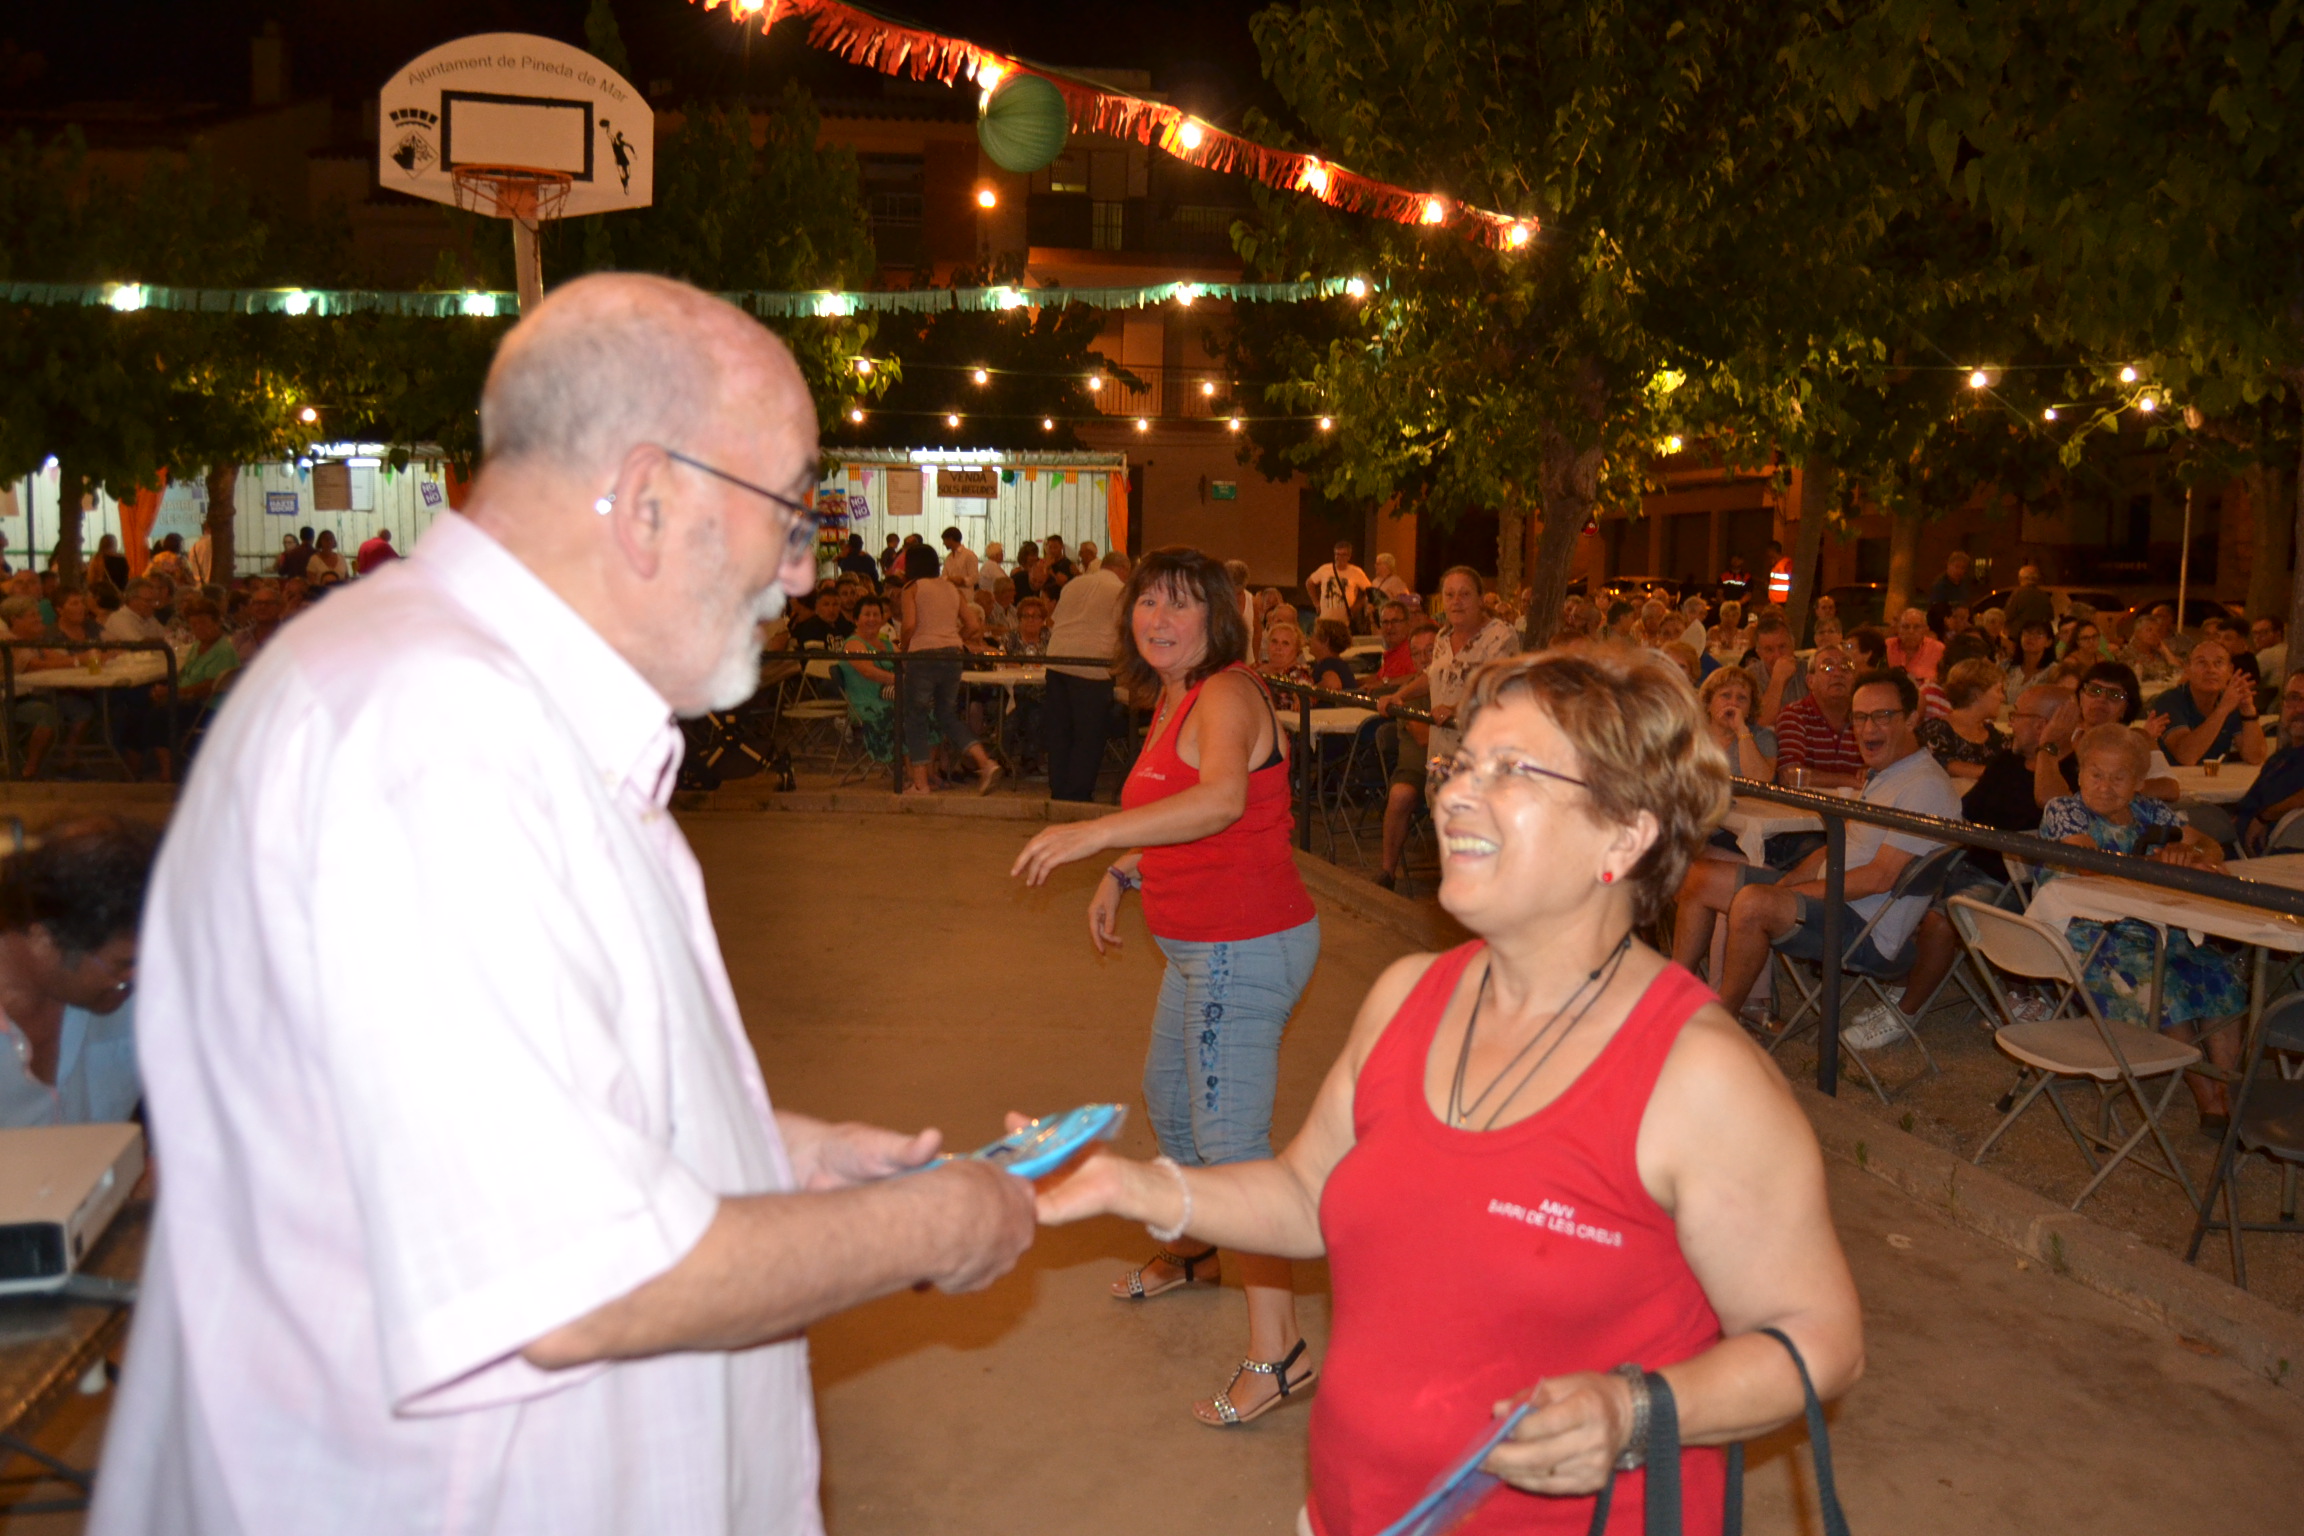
499 1232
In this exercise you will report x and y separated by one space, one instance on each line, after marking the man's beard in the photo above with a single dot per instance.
736 676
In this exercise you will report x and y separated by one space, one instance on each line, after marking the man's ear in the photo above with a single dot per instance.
636 508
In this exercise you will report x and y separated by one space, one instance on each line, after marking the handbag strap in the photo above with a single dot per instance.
1663 1514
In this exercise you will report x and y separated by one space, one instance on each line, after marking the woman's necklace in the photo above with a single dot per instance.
1460 1113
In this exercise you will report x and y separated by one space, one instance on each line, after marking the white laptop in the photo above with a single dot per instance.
60 1187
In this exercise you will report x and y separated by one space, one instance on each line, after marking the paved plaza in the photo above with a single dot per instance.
891 971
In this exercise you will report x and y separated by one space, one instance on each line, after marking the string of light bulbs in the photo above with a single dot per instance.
895 48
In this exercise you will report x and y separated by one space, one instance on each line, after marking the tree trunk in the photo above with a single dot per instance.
2296 587
65 559
1903 554
1511 565
1568 481
223 479
2268 574
1816 479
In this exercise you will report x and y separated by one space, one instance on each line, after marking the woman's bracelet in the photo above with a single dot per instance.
1128 879
1183 1187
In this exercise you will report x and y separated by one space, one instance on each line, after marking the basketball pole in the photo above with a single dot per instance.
527 265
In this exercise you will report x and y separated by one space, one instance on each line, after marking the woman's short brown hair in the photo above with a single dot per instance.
1640 742
1334 634
1971 680
1723 679
1183 572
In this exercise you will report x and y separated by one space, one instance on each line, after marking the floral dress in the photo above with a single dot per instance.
1948 746
2203 982
868 710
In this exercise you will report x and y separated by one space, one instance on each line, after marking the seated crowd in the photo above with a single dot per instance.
213 626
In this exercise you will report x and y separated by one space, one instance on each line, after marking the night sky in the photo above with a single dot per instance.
52 56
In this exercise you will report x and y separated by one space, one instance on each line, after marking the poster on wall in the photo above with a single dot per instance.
332 486
280 503
903 493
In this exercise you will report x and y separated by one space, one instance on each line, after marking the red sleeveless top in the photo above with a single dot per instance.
1239 883
1468 1265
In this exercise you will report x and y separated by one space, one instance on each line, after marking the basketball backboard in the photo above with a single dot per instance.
510 99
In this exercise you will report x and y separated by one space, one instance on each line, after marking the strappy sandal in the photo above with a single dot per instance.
1190 1263
1229 1417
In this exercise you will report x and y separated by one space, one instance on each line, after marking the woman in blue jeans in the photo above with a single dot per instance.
1206 811
933 617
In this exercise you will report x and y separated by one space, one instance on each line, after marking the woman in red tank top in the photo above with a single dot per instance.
1206 806
1548 1161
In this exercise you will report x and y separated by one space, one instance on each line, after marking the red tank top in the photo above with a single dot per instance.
1240 883
1468 1265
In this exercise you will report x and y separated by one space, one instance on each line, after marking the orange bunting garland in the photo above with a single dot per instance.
896 49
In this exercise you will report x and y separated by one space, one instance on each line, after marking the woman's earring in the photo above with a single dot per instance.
605 504
1607 877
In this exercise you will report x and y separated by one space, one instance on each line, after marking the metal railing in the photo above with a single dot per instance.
8 650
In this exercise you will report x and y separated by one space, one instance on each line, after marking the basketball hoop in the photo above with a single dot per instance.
527 195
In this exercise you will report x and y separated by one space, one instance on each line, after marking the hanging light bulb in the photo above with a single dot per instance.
863 365
1047 423
1095 383
2147 405
307 415
1189 135
1208 386
1672 443
986 197
1356 287
989 74
1313 178
981 376
1516 236
1327 422
952 419
1435 211
2048 414
1233 425
856 414
1977 380
2127 375
1142 425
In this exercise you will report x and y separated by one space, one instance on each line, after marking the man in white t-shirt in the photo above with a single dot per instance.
501 1232
1767 909
1336 588
137 616
960 563
1078 714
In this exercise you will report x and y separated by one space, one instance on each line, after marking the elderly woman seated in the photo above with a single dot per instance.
2204 990
1727 699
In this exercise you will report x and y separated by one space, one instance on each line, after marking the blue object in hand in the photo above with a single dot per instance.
1048 1142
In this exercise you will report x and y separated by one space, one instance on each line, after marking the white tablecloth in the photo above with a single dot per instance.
2108 898
2235 780
2273 869
1007 677
135 669
1753 822
1341 720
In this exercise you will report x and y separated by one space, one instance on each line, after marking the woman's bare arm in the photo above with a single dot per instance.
1261 1207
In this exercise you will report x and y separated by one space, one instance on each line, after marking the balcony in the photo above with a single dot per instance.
1191 394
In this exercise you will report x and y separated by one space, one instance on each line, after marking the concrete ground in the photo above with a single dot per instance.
891 971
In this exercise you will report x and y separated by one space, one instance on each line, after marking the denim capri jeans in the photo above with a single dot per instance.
1215 1059
932 697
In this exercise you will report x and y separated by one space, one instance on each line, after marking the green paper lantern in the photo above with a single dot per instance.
1024 123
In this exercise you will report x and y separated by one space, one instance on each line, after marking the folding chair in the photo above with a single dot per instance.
2077 1041
2288 835
1921 877
815 716
2268 1119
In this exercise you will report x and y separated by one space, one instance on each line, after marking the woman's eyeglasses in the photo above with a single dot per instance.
1500 767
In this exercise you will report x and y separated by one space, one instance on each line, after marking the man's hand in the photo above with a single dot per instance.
2154 727
839 1156
1781 673
988 1221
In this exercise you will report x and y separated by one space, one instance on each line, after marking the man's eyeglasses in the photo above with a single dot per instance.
800 541
1875 716
1485 776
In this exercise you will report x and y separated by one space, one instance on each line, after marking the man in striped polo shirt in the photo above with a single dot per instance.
1815 732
